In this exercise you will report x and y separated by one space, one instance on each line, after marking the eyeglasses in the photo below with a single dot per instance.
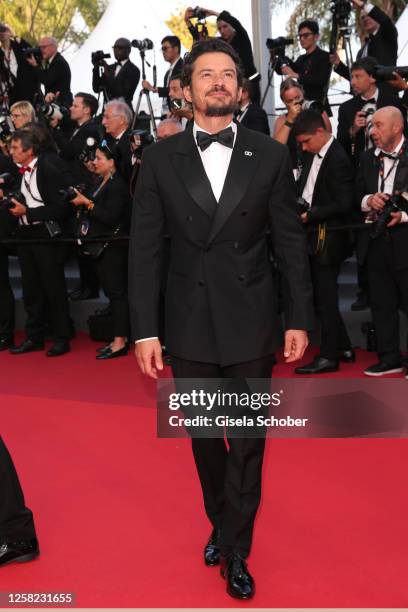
305 35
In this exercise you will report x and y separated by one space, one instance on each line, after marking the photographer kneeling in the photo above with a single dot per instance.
105 215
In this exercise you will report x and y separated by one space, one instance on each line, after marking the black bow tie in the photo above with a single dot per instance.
389 155
370 101
224 137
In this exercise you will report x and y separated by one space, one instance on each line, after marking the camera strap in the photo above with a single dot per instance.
395 159
28 186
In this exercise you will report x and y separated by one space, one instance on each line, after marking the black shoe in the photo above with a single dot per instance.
361 303
103 349
27 347
83 294
318 366
240 583
348 356
381 368
212 548
6 343
25 550
59 348
109 354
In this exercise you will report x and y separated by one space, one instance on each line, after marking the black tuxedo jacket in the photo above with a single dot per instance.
347 112
7 221
256 119
71 148
164 91
332 203
121 86
25 85
57 77
123 155
112 208
221 302
314 71
367 183
241 43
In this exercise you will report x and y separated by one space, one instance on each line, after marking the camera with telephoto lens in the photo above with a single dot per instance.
303 205
98 56
5 127
199 13
276 48
341 10
88 152
144 139
52 111
69 193
143 45
9 194
386 73
34 52
393 204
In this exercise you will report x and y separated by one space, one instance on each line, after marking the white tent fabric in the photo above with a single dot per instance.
402 27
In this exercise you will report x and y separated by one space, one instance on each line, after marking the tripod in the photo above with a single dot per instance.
272 65
145 92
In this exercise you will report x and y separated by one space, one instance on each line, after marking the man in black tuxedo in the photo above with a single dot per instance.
381 38
18 541
20 78
250 114
42 264
215 189
54 73
383 170
326 186
171 49
118 80
117 118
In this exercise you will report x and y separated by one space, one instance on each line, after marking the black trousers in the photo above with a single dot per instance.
388 293
230 476
113 274
44 289
7 310
16 521
334 336
88 273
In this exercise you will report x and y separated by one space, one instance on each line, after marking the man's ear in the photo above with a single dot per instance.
187 93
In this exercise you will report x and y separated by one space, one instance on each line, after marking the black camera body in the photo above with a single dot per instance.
98 56
5 129
392 205
52 111
69 193
35 52
341 9
6 203
302 205
386 73
142 45
145 138
314 105
88 152
276 48
199 13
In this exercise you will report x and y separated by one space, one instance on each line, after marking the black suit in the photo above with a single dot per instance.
178 67
123 85
383 45
123 155
16 520
386 258
72 147
331 206
314 71
221 311
255 118
25 84
57 77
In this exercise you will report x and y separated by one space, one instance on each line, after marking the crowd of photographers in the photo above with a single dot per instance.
67 171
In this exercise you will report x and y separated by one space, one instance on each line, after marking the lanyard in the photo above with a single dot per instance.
382 170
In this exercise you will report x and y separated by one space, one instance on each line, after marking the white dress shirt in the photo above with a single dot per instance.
29 189
314 171
120 66
242 112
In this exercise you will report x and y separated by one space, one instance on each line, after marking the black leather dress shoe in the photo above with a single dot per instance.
83 294
6 343
59 348
25 550
109 354
318 366
27 347
212 548
348 356
103 349
240 583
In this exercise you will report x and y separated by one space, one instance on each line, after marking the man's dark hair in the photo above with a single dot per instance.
174 41
28 139
367 63
248 86
175 77
310 24
308 122
210 45
89 101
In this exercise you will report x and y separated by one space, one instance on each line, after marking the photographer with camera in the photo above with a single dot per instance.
180 110
19 78
171 49
312 69
53 72
117 118
41 212
250 114
325 189
381 39
381 192
118 80
107 214
199 30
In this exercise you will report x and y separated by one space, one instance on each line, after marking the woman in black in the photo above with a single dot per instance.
107 214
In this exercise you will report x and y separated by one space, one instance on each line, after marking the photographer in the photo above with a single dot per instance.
383 171
381 38
40 212
22 113
54 73
171 49
20 80
107 214
117 118
325 190
118 80
198 30
179 108
250 114
312 69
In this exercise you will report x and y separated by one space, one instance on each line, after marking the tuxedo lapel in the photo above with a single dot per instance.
322 171
188 165
401 175
308 160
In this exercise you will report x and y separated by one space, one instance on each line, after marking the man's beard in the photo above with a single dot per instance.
221 111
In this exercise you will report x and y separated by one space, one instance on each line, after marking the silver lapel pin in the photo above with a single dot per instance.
248 153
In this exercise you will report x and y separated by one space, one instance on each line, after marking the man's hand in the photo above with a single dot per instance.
148 86
182 112
18 209
377 201
51 97
32 61
398 82
287 71
359 122
149 357
358 4
334 59
396 218
296 342
304 218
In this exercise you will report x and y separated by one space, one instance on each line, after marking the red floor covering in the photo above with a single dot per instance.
119 513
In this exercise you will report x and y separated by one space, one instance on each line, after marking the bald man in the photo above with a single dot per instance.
168 127
384 170
54 72
118 80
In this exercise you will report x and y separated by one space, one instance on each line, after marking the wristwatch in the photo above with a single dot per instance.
288 123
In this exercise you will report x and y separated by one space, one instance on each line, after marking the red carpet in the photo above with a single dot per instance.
119 513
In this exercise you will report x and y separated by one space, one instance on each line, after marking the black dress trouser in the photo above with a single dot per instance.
112 269
230 475
7 316
16 521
